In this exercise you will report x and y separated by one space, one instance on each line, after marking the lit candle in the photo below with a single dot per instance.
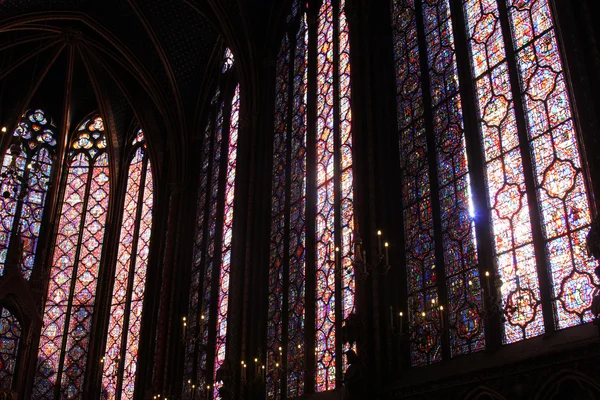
184 326
280 355
442 316
387 259
487 282
401 318
337 259
379 241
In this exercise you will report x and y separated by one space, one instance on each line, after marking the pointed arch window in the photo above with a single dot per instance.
534 198
207 319
25 178
70 301
121 354
331 137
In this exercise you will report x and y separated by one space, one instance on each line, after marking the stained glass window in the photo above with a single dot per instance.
334 221
209 289
447 150
228 63
557 168
285 347
25 176
532 167
120 359
70 301
10 336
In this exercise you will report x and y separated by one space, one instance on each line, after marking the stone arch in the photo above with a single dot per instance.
569 383
484 393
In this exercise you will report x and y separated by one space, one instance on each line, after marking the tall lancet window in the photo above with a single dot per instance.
534 199
287 339
70 301
25 178
440 198
206 323
120 359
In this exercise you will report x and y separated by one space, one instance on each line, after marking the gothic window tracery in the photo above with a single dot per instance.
74 272
25 178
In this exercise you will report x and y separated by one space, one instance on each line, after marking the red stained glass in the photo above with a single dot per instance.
325 344
70 303
120 359
223 294
511 224
559 180
325 270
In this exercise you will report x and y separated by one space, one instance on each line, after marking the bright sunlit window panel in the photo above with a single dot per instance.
562 194
70 302
508 202
227 236
463 284
120 357
332 23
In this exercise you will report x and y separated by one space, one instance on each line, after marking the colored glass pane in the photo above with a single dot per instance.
325 223
277 262
34 138
68 312
457 216
225 272
331 23
195 317
228 60
297 234
10 336
211 263
506 192
120 359
559 180
425 329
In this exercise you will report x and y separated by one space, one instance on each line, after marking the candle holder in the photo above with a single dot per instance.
364 267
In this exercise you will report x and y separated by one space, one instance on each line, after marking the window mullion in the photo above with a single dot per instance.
440 269
534 209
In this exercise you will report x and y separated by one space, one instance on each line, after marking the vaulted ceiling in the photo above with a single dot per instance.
154 60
